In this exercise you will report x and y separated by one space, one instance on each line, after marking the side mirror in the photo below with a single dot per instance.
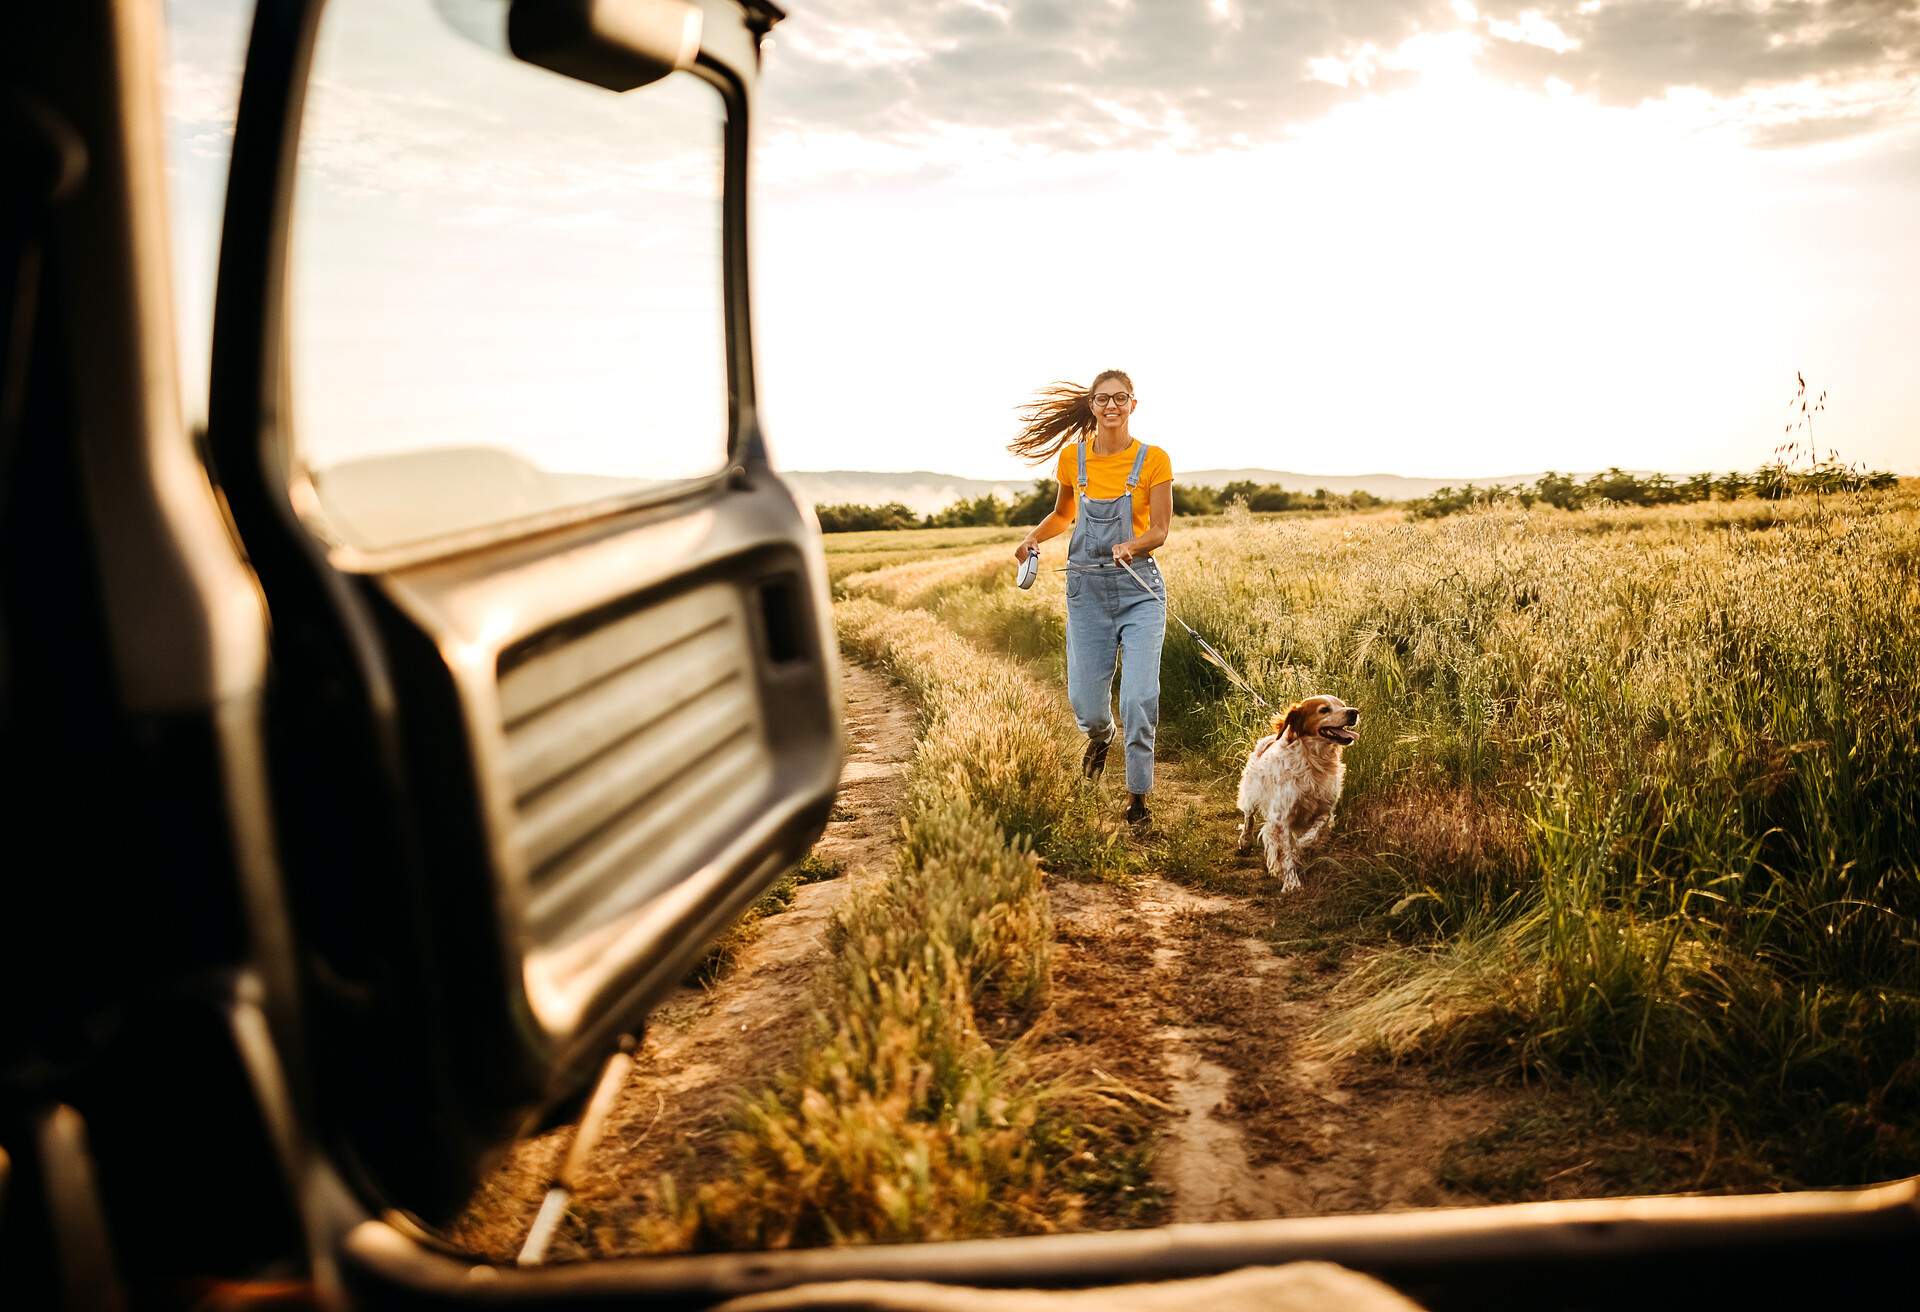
617 44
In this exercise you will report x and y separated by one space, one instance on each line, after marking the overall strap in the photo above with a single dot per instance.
1133 479
1081 448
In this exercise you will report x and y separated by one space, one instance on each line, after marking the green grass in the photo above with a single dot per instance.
1191 848
1635 810
994 734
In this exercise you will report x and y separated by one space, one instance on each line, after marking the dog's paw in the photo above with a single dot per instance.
1291 884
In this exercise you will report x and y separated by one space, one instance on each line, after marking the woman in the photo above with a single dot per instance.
1116 493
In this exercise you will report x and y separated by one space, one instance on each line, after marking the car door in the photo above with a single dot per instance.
554 690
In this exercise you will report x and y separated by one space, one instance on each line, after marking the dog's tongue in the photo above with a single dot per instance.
1344 737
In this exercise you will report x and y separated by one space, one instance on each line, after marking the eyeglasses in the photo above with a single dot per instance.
1101 400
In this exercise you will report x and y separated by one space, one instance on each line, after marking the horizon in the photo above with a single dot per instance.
1336 473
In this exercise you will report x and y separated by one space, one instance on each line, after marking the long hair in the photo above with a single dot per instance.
1060 413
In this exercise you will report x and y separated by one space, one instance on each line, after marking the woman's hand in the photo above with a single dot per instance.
1026 548
1122 552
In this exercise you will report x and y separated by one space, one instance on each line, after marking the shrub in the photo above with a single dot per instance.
1618 487
850 518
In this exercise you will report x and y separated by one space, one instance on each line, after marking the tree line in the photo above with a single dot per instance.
1032 507
1617 487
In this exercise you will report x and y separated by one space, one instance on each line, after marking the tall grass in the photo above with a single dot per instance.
1704 725
967 592
993 734
1638 791
912 1110
900 1120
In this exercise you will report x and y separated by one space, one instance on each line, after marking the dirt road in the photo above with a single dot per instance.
1175 998
706 1045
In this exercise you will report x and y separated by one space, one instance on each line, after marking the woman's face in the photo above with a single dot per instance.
1112 416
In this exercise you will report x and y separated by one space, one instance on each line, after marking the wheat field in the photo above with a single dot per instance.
1636 809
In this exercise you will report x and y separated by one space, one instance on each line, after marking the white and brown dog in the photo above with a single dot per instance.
1293 778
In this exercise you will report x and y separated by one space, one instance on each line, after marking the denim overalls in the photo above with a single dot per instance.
1108 612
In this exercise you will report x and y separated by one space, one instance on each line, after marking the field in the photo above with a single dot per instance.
1624 897
855 553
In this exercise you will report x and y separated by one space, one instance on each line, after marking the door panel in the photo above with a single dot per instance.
535 746
626 749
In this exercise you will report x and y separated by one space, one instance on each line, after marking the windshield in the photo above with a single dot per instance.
1498 780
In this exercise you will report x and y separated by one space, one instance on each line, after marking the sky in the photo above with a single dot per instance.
1427 237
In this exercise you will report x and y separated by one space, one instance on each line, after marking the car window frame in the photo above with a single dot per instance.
745 448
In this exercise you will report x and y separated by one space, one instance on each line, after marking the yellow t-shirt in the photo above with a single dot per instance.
1107 476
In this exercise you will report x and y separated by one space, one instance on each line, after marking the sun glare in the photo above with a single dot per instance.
1584 283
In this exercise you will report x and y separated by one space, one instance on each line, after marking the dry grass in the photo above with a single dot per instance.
1636 807
1638 797
856 553
913 1110
993 735
901 1119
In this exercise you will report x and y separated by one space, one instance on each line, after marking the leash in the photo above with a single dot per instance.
1207 651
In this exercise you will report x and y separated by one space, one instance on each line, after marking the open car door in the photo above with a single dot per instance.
388 776
554 684
394 748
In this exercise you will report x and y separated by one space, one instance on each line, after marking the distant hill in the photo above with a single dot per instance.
925 492
920 490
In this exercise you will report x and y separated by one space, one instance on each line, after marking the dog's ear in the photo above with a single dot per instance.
1294 722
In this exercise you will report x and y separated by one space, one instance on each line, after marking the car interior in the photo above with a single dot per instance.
368 784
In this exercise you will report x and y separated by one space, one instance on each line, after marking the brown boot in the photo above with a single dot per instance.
1137 814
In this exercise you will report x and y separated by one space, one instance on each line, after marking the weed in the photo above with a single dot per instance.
901 1120
1191 849
992 736
813 868
733 940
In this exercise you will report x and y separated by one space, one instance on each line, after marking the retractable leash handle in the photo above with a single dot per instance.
1029 570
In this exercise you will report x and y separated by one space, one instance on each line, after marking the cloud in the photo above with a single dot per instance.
1071 76
401 111
1197 74
1790 71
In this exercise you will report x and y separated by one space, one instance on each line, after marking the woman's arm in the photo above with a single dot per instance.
1159 518
1058 520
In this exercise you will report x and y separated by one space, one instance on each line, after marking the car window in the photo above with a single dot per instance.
505 286
206 46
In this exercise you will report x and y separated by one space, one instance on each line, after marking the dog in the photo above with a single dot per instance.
1293 777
